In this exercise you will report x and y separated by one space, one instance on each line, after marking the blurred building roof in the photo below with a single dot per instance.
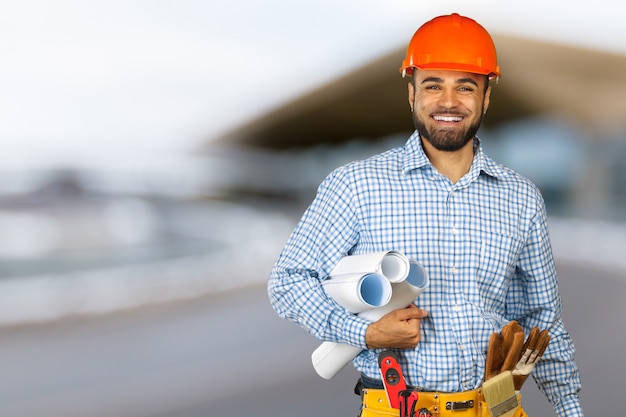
585 86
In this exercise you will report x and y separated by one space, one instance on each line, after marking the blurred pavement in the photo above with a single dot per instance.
228 354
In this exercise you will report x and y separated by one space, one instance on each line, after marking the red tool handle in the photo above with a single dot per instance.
408 400
393 380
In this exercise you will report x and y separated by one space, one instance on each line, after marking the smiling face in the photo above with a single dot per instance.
448 106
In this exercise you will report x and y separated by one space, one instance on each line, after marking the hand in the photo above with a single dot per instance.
535 345
397 329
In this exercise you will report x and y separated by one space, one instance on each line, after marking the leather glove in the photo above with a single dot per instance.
504 349
494 358
533 349
512 345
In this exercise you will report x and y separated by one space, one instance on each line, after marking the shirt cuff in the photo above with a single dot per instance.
569 407
354 331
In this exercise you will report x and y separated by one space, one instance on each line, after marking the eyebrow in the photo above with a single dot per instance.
459 81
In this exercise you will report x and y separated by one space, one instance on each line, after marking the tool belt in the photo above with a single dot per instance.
431 404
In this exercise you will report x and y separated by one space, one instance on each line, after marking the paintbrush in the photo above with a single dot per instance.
500 396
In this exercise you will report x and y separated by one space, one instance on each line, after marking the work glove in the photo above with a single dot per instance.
504 350
533 349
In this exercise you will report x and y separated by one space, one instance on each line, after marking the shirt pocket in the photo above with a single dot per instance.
497 260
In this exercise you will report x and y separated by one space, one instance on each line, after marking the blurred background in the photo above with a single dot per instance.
157 154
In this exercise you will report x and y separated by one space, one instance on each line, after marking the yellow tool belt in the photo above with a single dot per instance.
438 404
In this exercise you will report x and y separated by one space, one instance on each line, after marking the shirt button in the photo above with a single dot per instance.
456 308
453 230
453 270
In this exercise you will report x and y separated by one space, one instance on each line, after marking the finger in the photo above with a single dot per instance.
507 330
544 340
533 358
513 327
514 352
531 340
542 344
525 356
494 359
510 335
411 312
516 326
519 350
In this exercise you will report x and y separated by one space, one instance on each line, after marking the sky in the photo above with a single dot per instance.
126 81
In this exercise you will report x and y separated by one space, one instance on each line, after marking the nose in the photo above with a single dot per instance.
448 98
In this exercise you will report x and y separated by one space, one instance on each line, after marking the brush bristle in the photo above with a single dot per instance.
500 396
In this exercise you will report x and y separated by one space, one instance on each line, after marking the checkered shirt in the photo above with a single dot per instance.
483 241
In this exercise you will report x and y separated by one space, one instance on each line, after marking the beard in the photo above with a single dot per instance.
447 140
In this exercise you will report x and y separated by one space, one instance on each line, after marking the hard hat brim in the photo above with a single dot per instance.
452 67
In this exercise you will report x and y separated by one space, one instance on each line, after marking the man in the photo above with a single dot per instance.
478 228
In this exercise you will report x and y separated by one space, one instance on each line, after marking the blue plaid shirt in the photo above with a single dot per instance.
484 242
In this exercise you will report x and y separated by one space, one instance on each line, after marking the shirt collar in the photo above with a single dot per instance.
415 158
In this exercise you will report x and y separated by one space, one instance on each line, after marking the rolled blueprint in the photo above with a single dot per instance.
402 293
392 264
359 292
329 358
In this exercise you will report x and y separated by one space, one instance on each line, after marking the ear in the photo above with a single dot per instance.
487 98
411 95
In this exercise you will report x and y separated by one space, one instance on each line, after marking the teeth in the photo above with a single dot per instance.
448 118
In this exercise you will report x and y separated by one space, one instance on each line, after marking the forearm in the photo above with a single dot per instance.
557 374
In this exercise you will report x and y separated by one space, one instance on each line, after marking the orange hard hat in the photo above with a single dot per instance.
452 42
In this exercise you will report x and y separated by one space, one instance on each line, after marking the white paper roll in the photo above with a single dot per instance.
329 358
359 292
402 293
392 264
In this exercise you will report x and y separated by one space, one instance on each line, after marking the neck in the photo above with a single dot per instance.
454 165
